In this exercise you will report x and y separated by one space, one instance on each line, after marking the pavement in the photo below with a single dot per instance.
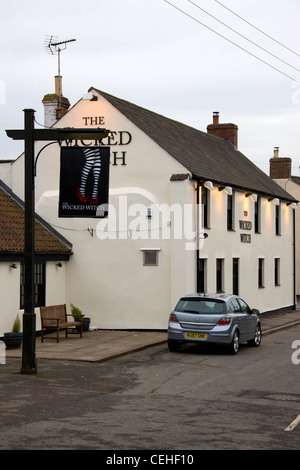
102 345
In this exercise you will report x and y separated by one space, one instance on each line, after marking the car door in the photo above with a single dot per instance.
249 319
240 318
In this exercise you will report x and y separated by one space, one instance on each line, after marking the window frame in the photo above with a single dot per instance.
39 285
150 251
261 273
277 272
219 275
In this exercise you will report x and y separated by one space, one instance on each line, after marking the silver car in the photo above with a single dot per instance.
217 318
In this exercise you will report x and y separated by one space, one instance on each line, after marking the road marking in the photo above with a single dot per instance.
293 424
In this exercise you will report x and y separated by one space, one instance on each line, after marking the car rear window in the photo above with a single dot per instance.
201 306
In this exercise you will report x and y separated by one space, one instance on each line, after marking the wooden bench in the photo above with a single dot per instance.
55 317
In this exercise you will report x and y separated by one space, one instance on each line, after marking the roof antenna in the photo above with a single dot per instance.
53 46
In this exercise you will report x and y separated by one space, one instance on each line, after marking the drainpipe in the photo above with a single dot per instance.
197 235
294 261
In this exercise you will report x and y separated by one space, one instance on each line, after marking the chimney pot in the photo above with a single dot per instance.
216 117
276 152
58 85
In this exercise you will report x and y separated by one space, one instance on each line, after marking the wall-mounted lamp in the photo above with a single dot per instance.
252 196
208 185
294 205
89 97
13 266
275 200
59 265
227 189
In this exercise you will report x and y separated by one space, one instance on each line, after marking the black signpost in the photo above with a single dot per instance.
30 135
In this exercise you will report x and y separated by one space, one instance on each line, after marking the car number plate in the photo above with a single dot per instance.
195 336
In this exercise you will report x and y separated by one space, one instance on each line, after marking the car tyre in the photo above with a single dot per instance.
255 342
234 345
174 346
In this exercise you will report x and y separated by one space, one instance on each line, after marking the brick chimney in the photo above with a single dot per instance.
225 131
55 104
280 167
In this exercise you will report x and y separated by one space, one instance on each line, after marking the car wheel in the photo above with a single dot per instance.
234 345
255 342
174 346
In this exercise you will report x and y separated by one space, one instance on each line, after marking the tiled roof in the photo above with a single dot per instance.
207 157
47 240
295 179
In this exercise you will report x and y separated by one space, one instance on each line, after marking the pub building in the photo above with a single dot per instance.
281 172
152 212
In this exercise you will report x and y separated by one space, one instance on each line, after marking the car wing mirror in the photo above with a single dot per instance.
255 311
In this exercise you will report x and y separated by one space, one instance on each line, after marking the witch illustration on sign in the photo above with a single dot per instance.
92 163
84 181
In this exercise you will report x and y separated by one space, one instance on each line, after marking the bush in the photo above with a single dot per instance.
17 325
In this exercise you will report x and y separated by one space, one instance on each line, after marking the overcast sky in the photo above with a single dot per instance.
149 53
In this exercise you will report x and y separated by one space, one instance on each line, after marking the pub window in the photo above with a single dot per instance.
230 204
277 272
39 285
257 216
261 272
220 275
205 201
150 257
235 276
277 220
202 275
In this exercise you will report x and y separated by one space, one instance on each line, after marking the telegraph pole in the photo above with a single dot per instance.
29 363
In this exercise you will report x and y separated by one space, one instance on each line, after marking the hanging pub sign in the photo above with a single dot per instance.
84 182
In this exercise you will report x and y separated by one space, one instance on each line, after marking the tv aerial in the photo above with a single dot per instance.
53 47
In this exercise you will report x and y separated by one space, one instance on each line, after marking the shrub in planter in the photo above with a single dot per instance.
13 339
77 315
76 312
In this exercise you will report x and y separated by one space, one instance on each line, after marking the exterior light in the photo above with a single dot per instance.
275 200
227 189
294 205
208 185
87 96
13 266
252 196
